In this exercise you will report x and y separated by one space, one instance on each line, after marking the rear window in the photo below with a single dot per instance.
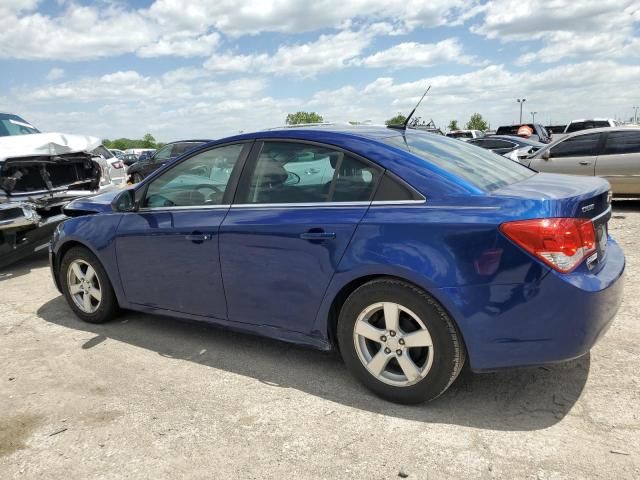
460 135
481 168
513 129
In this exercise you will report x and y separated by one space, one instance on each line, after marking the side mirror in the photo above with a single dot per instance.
546 155
125 201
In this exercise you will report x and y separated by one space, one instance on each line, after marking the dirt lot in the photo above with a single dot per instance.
153 397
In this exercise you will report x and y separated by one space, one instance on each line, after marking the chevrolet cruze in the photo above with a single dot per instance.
411 253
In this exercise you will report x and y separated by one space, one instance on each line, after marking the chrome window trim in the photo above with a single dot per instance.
304 205
184 207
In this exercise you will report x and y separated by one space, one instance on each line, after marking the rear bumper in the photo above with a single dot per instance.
558 318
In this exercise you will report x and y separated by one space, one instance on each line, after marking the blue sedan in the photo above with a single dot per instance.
411 253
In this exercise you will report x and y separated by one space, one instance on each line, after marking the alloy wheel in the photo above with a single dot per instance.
84 286
393 344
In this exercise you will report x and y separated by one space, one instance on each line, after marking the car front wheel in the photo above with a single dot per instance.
86 286
399 342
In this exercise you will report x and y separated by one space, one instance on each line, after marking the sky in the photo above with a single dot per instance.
206 69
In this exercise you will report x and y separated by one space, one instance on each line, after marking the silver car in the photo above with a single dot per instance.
612 153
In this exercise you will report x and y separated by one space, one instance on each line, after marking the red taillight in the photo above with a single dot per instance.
561 243
117 164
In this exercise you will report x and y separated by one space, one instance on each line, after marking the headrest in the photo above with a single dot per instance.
270 173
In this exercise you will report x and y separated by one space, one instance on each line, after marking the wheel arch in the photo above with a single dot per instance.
346 289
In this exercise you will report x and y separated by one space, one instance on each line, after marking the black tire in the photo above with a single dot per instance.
137 178
448 351
108 307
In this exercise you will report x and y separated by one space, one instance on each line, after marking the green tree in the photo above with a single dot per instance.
453 125
148 141
476 122
303 117
399 119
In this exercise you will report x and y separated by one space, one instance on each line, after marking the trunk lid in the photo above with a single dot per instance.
563 196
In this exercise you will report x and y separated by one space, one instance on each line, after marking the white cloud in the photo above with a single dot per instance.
413 54
568 28
175 27
327 53
55 74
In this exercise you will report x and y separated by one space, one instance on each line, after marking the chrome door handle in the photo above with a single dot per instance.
318 236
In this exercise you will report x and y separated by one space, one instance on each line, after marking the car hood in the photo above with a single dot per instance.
93 204
48 144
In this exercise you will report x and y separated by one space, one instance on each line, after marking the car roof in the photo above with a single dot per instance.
620 128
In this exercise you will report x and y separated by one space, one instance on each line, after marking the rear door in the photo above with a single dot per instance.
575 155
295 211
619 161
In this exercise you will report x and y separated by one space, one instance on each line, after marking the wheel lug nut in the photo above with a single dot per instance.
398 352
392 333
401 341
387 350
383 338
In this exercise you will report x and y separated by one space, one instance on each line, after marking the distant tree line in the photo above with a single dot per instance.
148 141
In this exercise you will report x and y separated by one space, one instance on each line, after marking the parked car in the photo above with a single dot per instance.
514 148
129 159
146 165
117 153
465 135
39 174
147 154
585 124
612 153
539 134
419 253
116 165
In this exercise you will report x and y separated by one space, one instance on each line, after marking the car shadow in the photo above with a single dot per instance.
24 266
625 205
525 399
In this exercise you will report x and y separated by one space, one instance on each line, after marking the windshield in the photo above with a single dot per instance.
14 125
482 168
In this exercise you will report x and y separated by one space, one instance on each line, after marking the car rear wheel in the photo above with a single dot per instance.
86 286
399 342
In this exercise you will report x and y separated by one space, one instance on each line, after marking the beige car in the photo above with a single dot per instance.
612 153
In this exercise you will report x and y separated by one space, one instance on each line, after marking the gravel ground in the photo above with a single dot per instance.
154 397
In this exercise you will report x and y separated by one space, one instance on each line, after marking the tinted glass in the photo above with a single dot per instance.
601 123
577 126
13 125
198 181
287 172
579 146
481 168
391 189
180 148
163 154
622 142
460 135
101 151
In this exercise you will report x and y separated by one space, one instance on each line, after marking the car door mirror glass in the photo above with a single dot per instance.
546 155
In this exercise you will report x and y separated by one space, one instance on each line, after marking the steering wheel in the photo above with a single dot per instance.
292 179
211 198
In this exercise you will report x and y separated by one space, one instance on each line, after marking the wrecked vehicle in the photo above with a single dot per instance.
39 174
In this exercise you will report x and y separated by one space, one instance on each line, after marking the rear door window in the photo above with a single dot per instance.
292 172
622 142
579 146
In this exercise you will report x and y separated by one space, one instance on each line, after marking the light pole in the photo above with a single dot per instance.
635 114
533 117
521 102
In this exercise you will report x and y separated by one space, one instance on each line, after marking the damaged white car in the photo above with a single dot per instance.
39 174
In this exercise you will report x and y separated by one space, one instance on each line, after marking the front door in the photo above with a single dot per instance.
167 251
575 155
296 209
